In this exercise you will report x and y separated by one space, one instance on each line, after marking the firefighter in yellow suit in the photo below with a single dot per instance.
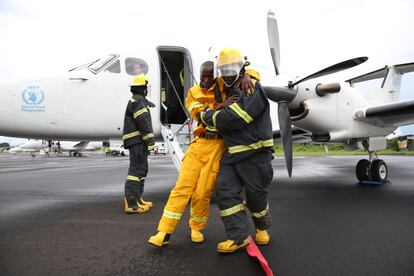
201 163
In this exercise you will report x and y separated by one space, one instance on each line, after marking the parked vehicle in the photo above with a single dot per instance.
160 148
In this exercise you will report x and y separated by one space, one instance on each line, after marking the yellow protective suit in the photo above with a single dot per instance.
199 169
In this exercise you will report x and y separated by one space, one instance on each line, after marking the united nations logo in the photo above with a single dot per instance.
33 98
33 95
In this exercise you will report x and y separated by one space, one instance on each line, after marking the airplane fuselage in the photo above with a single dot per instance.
80 106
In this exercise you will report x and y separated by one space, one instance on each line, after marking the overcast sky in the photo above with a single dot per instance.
48 37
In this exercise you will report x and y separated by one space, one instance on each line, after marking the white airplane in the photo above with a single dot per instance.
74 148
33 146
339 113
93 146
89 102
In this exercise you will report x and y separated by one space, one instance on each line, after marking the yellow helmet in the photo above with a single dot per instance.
140 80
230 61
229 56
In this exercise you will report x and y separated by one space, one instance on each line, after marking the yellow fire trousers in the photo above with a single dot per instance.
196 181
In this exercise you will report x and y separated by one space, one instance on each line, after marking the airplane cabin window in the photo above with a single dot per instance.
98 64
114 67
136 66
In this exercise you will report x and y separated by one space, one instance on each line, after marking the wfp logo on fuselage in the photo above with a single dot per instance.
33 99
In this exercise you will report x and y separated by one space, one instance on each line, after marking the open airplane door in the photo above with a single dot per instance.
176 76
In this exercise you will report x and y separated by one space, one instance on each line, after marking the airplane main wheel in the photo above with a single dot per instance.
363 171
379 170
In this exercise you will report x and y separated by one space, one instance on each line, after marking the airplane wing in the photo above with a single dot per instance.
388 115
81 145
299 136
381 73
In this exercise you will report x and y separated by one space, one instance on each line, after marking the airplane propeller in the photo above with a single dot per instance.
284 95
280 94
286 133
273 36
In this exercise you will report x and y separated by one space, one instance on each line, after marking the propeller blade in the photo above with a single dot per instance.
286 134
334 68
273 36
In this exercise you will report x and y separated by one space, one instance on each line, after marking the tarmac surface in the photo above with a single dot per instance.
64 216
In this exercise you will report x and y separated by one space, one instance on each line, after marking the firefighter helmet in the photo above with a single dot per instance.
230 61
140 80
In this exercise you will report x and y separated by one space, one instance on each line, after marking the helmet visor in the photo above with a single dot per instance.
232 69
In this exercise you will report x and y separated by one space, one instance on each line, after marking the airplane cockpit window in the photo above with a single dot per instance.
114 67
98 64
136 66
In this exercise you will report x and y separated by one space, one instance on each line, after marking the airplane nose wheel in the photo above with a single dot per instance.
376 171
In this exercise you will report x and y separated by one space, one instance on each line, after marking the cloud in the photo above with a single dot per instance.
53 36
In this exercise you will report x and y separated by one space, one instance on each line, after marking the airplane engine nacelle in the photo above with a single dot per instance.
319 115
304 92
309 91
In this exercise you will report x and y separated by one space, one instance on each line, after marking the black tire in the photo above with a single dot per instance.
379 170
122 153
363 170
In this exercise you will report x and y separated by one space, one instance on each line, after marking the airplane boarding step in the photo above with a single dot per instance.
177 138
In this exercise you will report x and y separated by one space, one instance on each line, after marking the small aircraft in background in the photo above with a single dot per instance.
89 102
45 147
31 146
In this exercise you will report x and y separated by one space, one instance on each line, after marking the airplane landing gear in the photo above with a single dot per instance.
372 171
363 170
379 170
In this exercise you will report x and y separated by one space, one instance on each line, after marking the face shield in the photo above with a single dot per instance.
230 72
